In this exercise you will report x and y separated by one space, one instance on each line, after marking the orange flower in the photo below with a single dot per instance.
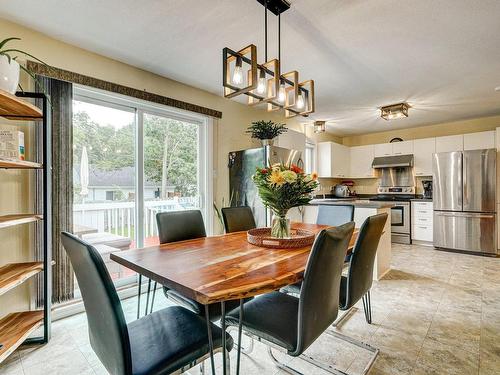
296 169
314 176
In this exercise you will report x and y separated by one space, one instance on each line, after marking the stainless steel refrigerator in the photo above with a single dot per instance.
243 164
465 201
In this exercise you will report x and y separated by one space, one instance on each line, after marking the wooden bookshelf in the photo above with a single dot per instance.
14 274
14 108
17 219
18 164
15 328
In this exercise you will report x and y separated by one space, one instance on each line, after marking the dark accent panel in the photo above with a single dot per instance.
65 75
61 96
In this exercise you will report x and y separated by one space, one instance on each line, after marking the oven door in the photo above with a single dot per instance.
400 218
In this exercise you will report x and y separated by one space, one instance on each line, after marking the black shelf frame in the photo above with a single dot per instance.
46 171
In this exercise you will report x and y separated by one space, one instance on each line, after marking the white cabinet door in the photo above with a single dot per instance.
450 143
382 149
310 214
361 161
422 152
480 140
402 148
292 140
340 160
324 153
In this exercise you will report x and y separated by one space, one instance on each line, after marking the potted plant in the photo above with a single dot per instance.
281 188
266 131
10 68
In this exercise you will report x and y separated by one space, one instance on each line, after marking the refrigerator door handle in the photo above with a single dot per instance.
465 214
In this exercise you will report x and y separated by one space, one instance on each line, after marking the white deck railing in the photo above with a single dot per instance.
119 217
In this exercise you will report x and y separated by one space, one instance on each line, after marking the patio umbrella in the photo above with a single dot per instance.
84 172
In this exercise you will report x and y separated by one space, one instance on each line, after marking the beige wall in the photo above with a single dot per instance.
438 130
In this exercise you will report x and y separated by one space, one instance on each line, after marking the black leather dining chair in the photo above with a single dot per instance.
356 285
170 340
180 226
238 219
293 324
332 215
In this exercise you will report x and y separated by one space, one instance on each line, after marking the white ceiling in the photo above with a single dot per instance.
443 57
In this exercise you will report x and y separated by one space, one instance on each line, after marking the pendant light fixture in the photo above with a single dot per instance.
264 83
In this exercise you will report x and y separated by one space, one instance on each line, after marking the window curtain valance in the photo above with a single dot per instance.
65 75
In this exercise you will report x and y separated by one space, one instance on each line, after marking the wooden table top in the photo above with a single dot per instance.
220 268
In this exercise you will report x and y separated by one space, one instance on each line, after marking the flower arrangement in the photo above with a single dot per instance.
282 187
266 130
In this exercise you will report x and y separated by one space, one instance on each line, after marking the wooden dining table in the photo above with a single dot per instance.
221 268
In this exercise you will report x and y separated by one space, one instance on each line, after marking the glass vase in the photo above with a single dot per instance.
280 227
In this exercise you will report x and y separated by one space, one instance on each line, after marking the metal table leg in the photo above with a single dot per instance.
240 328
224 349
210 341
139 297
147 297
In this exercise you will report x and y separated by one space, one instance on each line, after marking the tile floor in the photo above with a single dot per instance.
435 313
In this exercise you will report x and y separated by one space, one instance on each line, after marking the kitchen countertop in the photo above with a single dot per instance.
361 203
422 199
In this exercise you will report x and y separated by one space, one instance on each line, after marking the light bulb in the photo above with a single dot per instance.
261 85
281 93
238 72
300 101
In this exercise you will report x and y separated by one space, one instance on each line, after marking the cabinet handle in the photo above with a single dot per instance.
419 173
423 227
397 153
422 219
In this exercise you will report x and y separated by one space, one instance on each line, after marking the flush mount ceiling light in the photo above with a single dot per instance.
394 111
319 126
264 83
497 88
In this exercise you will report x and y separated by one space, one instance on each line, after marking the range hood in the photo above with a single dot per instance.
393 161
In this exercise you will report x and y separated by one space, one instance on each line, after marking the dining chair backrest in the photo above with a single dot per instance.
237 219
180 225
320 291
360 273
335 215
107 327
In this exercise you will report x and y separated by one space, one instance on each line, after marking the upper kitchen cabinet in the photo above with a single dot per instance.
480 140
402 148
450 143
292 140
394 148
361 161
422 153
333 160
382 149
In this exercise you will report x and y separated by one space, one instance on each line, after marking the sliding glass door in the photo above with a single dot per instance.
132 160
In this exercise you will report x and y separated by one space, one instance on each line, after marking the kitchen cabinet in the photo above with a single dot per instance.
361 161
422 221
292 140
402 148
333 160
422 153
450 143
382 149
394 148
310 214
479 140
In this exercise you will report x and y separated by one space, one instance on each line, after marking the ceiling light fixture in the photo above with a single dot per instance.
319 126
394 111
264 83
497 88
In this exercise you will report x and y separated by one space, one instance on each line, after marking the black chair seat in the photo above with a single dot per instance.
164 341
272 316
214 309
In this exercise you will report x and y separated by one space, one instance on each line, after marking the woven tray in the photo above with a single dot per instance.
262 237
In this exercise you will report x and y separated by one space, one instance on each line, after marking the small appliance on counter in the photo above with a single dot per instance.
342 190
427 186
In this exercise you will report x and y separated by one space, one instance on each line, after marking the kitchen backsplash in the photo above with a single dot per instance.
362 185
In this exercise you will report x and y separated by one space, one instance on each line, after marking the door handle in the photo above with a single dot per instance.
462 214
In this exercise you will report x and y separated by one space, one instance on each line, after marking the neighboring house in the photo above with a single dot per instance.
118 185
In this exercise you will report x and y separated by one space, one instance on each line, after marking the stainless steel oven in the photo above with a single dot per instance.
400 222
400 212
